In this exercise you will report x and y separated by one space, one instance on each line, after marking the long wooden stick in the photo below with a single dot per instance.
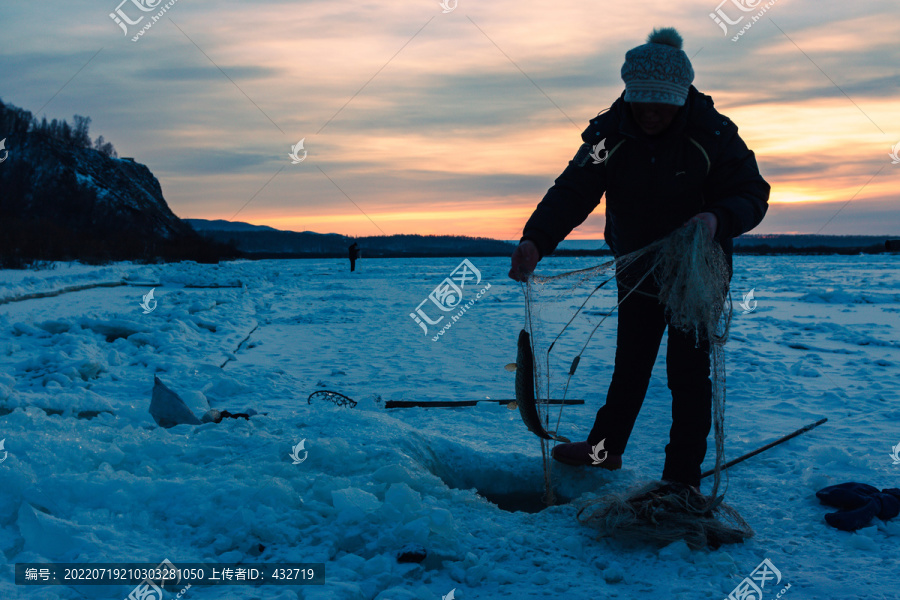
89 286
456 403
65 290
731 463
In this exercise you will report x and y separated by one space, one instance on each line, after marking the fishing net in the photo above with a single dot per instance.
665 513
688 273
337 398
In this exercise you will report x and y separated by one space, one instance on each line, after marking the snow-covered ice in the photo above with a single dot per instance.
89 477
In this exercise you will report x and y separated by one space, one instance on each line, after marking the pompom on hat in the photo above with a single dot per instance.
659 71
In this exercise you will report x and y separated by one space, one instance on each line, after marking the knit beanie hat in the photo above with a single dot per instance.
659 71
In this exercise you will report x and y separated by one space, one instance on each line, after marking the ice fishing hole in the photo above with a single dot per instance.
521 501
506 484
507 490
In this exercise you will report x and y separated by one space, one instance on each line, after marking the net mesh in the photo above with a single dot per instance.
563 314
665 513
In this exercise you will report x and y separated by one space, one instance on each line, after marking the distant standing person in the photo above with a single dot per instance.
354 254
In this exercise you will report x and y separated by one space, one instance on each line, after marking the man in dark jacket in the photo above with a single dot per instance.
664 157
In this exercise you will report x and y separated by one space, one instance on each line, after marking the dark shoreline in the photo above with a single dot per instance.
813 251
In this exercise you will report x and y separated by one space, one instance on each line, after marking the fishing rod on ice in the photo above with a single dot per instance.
741 459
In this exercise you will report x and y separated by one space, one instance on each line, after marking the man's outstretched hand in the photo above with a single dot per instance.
524 260
709 219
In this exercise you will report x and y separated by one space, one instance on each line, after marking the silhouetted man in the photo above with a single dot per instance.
354 254
663 156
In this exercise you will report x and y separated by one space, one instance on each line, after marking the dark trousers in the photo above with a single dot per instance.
642 321
352 264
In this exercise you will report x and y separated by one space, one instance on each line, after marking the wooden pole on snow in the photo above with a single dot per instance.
731 463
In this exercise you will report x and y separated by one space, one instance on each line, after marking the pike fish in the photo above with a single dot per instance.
525 398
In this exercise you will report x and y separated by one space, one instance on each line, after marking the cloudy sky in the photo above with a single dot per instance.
417 120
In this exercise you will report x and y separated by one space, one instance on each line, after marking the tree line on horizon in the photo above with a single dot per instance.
19 122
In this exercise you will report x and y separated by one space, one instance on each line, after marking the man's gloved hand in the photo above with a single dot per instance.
524 260
709 219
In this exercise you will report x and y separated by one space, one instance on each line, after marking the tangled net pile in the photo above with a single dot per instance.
692 275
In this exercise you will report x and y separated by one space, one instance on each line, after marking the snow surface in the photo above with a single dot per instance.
822 342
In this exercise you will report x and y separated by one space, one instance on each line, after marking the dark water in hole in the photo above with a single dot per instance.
530 502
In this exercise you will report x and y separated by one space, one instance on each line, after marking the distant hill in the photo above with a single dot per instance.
260 241
223 225
750 242
264 242
761 244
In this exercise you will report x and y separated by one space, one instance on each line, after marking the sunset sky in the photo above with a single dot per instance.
421 121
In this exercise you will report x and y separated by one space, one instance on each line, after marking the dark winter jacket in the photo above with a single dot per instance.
654 184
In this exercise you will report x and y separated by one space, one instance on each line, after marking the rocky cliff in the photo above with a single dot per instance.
62 197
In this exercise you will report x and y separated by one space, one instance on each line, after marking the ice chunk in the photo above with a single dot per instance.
677 550
167 409
614 573
403 498
47 535
350 498
441 521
